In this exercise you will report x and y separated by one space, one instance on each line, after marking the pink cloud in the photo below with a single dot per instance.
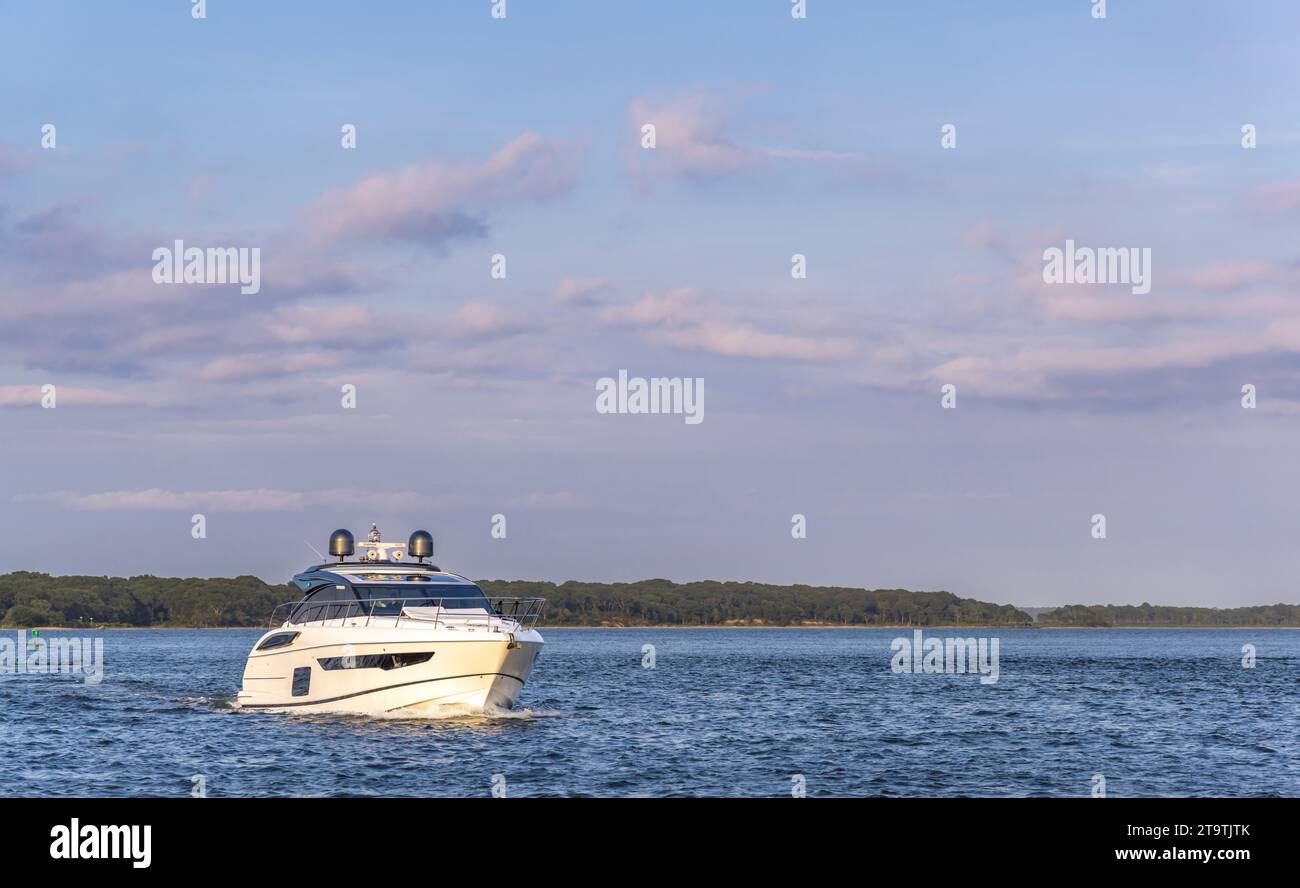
247 366
692 139
439 200
746 341
672 307
12 162
581 291
312 323
682 319
1229 276
200 187
1034 373
480 320
66 396
1277 197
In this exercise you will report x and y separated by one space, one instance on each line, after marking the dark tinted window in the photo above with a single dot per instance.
375 661
390 599
330 593
327 603
301 681
278 640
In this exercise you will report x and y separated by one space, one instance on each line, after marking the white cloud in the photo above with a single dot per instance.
253 500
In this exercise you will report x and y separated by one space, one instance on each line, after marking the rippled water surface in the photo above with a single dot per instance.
724 712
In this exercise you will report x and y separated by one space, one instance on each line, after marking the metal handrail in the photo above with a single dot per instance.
467 612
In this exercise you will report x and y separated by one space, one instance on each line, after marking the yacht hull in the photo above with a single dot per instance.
329 670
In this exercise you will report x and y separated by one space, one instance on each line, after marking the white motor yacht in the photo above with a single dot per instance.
386 634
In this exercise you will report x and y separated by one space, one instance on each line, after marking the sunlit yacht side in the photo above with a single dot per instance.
380 635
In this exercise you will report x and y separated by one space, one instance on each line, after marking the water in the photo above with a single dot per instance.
724 712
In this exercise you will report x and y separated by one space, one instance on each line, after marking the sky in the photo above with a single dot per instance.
522 137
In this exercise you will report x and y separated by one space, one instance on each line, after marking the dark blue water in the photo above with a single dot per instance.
724 712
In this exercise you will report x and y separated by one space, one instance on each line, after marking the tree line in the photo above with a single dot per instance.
1160 615
712 603
36 599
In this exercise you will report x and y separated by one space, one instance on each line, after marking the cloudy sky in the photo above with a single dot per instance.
523 137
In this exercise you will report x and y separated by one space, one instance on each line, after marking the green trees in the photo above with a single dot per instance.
661 602
34 599
1157 615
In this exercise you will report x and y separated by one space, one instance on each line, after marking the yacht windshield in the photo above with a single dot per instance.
327 603
390 598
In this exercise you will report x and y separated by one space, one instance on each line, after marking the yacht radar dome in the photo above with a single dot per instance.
420 545
341 544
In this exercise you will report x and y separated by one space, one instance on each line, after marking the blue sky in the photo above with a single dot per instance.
520 136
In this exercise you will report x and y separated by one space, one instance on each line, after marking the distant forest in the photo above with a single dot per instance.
1159 615
35 599
662 602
